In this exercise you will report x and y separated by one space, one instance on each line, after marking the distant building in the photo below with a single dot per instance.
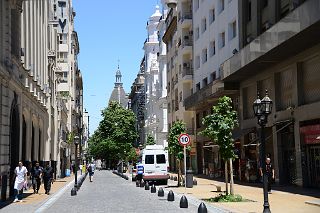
118 94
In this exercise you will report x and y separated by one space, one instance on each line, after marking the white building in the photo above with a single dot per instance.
215 39
155 102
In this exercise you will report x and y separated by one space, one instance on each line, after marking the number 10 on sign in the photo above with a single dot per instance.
184 140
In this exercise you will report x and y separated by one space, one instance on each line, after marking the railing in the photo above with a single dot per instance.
187 42
187 16
187 71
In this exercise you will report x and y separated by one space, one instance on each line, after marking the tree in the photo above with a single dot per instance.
150 140
218 127
115 134
174 148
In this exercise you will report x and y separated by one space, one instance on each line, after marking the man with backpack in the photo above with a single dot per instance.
91 171
47 177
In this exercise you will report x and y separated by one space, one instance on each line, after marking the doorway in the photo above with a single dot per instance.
313 159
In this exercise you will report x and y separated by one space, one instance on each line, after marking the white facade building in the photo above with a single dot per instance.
216 38
155 102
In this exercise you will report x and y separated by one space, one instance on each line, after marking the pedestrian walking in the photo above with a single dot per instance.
20 181
36 173
91 171
269 173
140 170
84 168
80 168
47 178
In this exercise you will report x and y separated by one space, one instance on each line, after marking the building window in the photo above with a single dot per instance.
232 30
198 122
212 16
204 82
222 39
197 62
196 4
212 50
198 86
197 33
203 25
221 4
204 56
249 11
213 76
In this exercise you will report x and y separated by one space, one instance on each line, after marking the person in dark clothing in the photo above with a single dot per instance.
36 173
47 178
269 172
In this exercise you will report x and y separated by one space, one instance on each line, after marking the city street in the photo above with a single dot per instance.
110 193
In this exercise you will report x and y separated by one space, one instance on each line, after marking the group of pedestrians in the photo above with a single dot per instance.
37 173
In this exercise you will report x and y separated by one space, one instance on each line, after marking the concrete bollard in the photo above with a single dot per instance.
137 183
160 192
170 196
183 202
146 186
202 208
142 184
153 189
73 191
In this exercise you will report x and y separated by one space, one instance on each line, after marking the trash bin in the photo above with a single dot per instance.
189 179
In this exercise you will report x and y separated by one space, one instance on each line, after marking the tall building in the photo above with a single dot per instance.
137 103
118 94
33 63
280 45
216 39
179 47
155 103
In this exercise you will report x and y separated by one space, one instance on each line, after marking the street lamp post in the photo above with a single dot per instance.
262 108
76 143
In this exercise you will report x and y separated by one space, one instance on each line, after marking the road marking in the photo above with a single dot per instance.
54 198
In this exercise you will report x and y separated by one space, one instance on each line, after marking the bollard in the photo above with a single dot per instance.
175 178
195 182
202 208
73 191
183 202
153 189
146 186
170 196
137 183
142 184
160 192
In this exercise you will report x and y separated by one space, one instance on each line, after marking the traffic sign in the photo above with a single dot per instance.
184 139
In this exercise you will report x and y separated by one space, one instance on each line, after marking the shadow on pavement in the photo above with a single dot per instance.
10 200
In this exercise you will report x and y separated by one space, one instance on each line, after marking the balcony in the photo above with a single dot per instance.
186 45
296 32
186 20
187 73
206 95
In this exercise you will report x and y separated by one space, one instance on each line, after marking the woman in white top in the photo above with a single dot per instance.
21 178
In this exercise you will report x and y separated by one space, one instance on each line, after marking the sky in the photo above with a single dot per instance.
109 31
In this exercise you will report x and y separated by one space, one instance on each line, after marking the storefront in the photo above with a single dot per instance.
310 153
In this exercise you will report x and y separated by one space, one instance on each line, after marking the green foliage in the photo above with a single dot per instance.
227 198
174 147
115 135
70 137
219 126
150 140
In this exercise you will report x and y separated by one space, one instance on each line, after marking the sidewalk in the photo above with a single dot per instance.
282 199
31 201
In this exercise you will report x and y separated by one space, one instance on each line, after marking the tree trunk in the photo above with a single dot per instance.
226 175
179 172
231 177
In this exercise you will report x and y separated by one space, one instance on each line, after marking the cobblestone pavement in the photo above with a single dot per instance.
110 193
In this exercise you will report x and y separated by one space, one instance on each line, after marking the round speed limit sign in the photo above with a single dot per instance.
184 140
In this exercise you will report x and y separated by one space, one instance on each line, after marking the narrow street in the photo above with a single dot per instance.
110 193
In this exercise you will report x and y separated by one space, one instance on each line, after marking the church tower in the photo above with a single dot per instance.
118 94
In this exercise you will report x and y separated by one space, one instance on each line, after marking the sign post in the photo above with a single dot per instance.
184 140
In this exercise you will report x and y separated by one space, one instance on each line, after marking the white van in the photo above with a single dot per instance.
155 162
